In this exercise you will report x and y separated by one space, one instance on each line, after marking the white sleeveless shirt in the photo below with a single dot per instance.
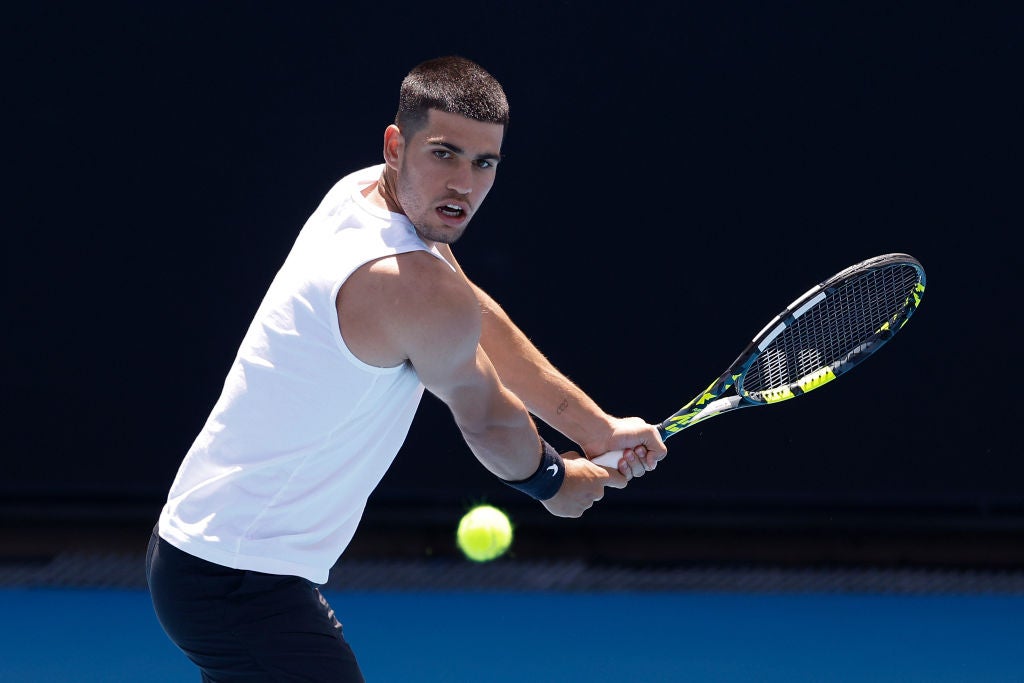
303 431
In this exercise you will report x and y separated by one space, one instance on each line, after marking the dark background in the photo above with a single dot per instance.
675 173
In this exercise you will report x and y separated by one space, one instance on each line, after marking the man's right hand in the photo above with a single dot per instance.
584 484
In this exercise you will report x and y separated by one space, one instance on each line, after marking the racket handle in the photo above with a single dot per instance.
609 459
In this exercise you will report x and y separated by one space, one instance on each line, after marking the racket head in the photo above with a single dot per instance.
824 334
830 329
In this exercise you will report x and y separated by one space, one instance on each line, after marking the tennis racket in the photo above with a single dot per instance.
822 335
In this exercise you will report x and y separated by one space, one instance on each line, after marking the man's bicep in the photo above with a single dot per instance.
439 330
443 354
446 353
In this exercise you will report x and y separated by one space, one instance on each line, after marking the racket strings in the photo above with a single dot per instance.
827 334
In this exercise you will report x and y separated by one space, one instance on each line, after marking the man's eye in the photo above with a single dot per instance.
442 154
485 163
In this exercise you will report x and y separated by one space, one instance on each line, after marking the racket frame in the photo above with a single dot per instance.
717 399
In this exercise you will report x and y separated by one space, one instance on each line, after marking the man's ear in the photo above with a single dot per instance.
394 146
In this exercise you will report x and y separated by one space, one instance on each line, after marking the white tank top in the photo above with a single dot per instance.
303 431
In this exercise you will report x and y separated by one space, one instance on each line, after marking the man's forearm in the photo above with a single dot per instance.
546 391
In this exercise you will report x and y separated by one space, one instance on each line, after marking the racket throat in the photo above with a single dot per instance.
677 423
717 406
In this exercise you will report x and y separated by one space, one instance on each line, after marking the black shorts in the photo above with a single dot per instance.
238 625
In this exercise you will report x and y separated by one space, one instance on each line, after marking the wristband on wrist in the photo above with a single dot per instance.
545 482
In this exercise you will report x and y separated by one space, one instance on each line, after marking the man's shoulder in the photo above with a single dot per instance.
392 306
418 275
361 177
337 203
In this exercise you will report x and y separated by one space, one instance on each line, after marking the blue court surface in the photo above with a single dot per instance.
111 635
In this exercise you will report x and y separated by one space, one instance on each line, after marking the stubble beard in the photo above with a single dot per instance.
444 235
421 216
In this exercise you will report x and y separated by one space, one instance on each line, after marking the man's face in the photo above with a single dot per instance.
444 171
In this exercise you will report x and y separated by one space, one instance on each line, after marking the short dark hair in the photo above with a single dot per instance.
452 84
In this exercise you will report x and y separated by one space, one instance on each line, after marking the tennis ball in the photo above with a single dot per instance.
484 534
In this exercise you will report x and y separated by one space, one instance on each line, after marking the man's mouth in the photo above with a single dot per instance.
451 210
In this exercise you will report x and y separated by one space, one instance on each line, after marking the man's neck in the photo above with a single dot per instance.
382 193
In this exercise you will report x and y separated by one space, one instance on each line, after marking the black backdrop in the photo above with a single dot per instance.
675 173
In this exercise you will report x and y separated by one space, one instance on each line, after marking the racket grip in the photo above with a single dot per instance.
609 459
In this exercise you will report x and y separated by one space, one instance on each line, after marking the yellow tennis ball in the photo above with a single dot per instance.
485 533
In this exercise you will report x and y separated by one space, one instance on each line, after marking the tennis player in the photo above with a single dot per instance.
369 308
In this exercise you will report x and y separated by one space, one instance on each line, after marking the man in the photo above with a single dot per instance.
369 308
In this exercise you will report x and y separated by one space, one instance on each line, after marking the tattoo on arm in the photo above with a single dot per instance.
562 406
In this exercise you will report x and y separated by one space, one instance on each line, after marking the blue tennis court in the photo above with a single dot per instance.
111 635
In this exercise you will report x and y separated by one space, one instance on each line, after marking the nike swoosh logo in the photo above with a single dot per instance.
554 469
